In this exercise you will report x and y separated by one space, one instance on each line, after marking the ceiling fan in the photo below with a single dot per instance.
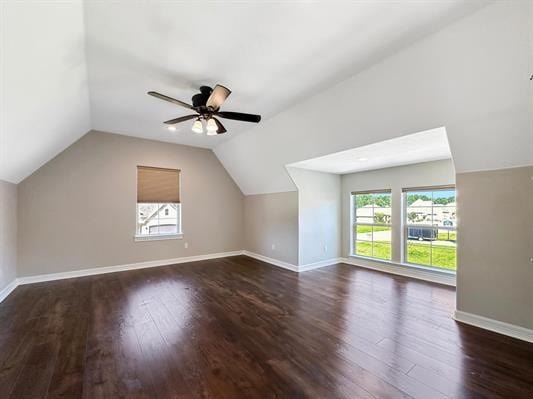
207 104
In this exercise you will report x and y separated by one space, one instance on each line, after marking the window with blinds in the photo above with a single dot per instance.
158 202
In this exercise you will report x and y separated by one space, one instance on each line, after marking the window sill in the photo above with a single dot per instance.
408 265
159 237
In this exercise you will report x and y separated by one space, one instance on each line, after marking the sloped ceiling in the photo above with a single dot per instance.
471 77
44 98
272 55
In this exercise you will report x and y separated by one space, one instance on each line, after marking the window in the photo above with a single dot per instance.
430 224
371 222
158 203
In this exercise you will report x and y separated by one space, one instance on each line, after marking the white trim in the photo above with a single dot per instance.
157 237
499 327
290 266
120 268
317 265
419 273
8 289
272 261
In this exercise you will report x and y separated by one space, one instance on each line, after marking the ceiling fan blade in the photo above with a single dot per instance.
180 119
218 96
239 116
169 99
221 129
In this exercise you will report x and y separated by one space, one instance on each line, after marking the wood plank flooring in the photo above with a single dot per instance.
239 328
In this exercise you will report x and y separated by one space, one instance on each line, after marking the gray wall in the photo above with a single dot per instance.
422 174
8 233
319 215
272 220
495 275
78 211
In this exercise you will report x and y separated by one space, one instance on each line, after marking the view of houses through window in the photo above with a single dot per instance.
372 227
158 219
429 226
430 223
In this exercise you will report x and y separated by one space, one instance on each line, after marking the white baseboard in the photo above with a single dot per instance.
8 289
401 270
317 265
155 263
499 327
464 317
272 261
120 268
290 266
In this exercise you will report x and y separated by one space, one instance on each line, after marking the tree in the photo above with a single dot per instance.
380 217
411 217
378 200
444 201
413 197
382 201
363 200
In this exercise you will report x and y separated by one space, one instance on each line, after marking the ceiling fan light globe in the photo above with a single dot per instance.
197 127
211 127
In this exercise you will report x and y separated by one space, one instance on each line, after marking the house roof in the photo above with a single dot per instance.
420 202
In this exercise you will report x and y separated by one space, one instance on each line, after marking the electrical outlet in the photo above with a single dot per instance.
273 247
325 248
186 245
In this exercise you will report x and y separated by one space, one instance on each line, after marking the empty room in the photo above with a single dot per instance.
266 199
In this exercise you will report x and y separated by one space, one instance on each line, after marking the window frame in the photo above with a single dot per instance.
160 236
354 224
406 226
165 236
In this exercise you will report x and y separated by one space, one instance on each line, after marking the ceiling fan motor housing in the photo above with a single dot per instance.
200 99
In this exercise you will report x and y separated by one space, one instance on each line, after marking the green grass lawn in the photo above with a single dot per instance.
443 257
444 235
368 229
381 250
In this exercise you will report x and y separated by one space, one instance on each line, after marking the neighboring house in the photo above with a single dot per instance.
419 212
371 214
444 214
426 212
158 219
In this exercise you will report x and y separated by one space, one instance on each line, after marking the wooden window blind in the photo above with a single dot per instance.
158 185
429 188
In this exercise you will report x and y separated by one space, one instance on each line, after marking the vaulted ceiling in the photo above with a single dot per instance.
472 77
68 67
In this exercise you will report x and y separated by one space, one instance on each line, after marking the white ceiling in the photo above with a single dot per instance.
44 98
430 145
471 77
271 54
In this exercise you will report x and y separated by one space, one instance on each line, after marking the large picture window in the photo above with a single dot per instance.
430 224
372 224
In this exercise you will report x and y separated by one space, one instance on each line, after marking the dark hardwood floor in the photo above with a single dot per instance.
237 328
